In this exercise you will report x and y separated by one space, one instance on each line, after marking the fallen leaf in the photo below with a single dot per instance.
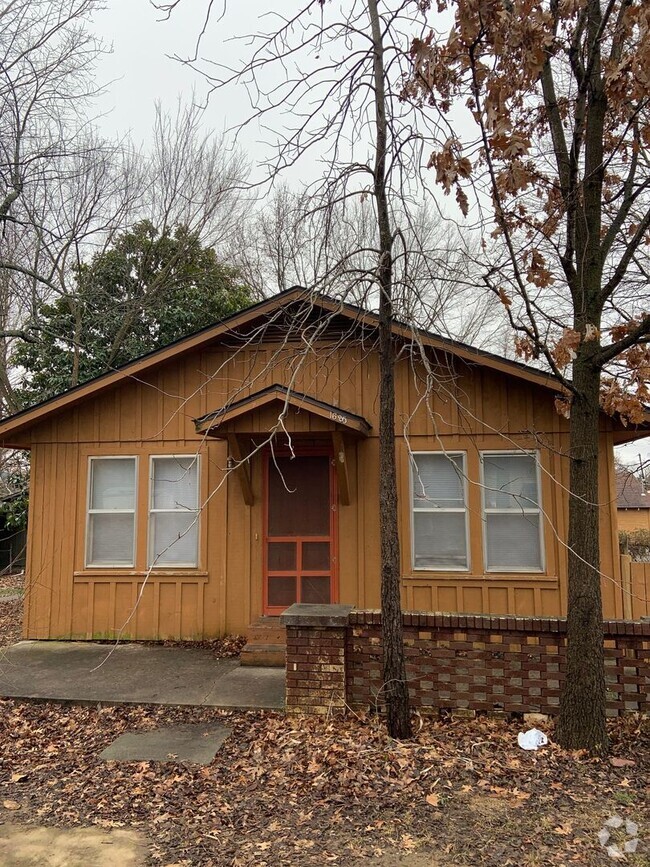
616 762
19 777
11 805
433 799
408 842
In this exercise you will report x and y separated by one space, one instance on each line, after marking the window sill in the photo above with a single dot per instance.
428 575
106 573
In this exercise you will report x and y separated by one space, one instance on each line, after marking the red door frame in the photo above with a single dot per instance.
300 451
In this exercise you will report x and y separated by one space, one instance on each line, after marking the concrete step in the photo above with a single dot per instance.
267 630
267 655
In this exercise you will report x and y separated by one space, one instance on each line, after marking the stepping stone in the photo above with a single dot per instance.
190 743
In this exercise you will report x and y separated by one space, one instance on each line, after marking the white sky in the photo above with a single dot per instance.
141 69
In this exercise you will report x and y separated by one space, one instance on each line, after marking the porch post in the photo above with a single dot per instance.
316 637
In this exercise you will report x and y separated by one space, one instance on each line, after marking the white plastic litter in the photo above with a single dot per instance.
532 739
614 822
615 853
603 836
630 846
631 828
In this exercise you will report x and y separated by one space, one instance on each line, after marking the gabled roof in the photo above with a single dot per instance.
215 423
630 490
17 423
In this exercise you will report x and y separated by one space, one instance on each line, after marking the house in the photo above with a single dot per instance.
223 477
632 501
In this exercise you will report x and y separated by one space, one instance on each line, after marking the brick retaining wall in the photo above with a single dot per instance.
459 662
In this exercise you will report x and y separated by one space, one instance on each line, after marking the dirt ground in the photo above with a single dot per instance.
25 846
301 792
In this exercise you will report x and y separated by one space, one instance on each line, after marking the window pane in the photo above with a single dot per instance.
299 496
315 556
513 542
174 538
282 556
315 589
112 484
110 540
175 483
438 482
282 591
440 540
510 481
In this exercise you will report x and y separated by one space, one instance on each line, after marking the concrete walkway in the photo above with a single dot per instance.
135 674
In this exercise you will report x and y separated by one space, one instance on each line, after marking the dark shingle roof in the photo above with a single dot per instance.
630 490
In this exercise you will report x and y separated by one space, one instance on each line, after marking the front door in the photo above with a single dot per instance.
299 532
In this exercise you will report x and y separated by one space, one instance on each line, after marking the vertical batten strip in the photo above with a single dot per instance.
156 609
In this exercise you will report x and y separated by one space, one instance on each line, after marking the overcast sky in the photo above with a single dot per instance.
141 69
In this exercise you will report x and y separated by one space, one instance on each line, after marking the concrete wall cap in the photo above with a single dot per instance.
304 614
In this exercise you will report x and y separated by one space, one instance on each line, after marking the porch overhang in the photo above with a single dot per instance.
227 420
228 423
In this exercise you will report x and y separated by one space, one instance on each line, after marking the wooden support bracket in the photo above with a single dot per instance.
341 459
243 468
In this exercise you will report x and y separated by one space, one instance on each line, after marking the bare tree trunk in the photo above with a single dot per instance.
394 666
582 707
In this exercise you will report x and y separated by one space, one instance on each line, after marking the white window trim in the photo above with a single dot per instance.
151 560
521 510
465 511
90 511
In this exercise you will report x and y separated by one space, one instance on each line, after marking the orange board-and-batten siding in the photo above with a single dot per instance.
473 407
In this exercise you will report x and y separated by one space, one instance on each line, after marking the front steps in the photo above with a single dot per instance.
266 645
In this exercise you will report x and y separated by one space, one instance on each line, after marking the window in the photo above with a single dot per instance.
111 512
512 513
173 511
439 512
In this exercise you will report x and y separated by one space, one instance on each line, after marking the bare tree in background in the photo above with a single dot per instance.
196 178
65 192
47 60
290 239
189 175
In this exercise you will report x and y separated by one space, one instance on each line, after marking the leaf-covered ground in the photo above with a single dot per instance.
289 791
12 583
11 609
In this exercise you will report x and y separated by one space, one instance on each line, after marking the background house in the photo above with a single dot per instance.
218 480
632 501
